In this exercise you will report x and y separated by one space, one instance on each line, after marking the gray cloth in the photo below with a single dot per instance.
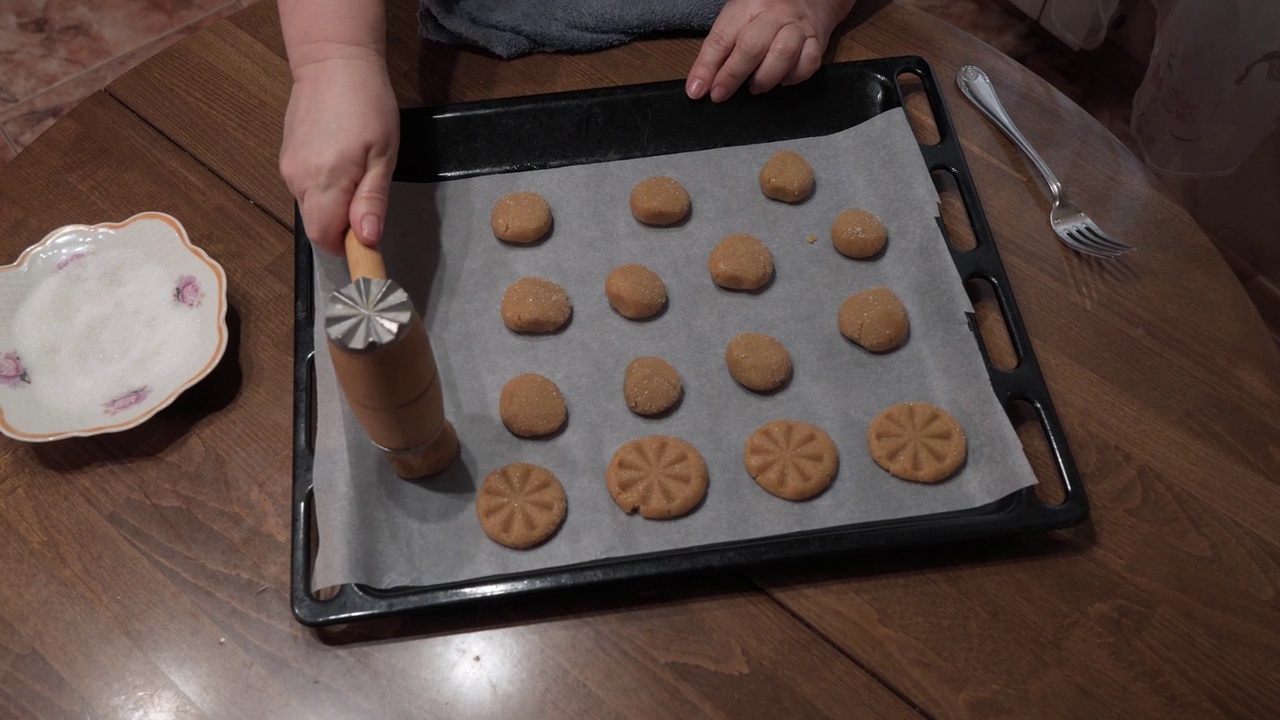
510 28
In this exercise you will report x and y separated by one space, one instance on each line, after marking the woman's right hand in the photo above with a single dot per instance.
341 134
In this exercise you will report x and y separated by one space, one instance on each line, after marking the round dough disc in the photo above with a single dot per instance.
535 305
660 201
741 262
521 218
531 405
787 176
651 386
858 234
875 319
758 362
635 291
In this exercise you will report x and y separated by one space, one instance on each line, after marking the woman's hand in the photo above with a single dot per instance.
768 41
341 133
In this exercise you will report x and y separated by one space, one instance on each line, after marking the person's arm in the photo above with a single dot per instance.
341 129
771 42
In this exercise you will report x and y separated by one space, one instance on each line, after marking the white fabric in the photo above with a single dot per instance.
1212 88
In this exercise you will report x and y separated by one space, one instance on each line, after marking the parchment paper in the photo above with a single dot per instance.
382 531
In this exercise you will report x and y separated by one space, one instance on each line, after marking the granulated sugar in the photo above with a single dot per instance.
104 325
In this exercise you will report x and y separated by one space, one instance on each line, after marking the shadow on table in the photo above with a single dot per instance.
210 395
703 587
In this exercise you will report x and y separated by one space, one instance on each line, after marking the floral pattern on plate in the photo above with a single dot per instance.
12 372
188 291
126 401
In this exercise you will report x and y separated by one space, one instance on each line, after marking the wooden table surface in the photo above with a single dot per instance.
146 574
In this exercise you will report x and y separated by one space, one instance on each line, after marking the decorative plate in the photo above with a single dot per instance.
102 326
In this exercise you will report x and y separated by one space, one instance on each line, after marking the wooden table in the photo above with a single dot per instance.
147 573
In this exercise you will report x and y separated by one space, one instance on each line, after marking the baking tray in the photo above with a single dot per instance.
530 133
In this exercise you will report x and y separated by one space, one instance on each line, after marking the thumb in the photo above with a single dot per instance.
369 204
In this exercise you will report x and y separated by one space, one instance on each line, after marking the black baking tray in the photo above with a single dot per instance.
545 131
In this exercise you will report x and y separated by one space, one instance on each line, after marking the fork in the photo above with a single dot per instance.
1076 229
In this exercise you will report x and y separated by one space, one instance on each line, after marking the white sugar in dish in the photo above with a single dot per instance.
104 325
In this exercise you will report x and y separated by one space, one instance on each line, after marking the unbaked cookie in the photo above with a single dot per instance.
917 441
875 319
635 291
658 475
787 177
535 305
521 505
741 262
858 234
659 201
531 405
521 218
791 459
651 386
758 361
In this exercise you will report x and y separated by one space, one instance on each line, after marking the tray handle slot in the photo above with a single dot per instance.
957 227
920 112
992 328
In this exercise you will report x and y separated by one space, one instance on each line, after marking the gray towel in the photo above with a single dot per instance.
510 28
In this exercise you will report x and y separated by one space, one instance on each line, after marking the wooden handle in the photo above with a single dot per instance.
362 260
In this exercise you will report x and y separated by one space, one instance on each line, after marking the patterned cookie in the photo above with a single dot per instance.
531 406
791 459
651 386
858 234
741 262
658 475
521 218
635 291
875 319
535 305
659 201
758 361
787 177
521 505
917 441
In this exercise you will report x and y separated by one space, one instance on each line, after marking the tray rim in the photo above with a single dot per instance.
1018 513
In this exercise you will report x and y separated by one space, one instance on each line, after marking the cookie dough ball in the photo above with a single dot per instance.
787 177
521 218
875 319
658 475
635 291
917 441
535 305
858 234
521 505
741 262
660 201
532 406
758 362
791 459
651 386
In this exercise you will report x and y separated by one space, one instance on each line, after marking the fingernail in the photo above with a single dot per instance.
695 88
718 94
369 228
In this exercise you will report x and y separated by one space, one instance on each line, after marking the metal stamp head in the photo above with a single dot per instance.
367 314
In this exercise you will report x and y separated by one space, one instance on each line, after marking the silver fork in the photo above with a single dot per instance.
1076 230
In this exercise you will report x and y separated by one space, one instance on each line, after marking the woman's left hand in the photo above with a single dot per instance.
769 41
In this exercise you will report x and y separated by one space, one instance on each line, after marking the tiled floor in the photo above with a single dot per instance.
55 53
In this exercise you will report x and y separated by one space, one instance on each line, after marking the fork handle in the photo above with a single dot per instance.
976 86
